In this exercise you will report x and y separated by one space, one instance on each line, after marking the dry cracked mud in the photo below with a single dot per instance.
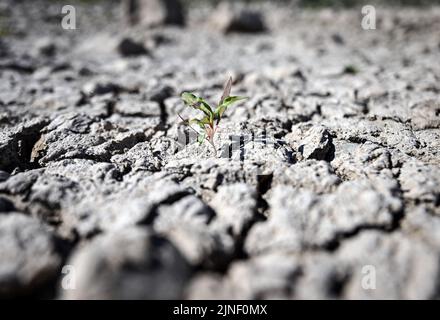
332 164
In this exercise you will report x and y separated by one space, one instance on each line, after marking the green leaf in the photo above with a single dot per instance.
231 99
198 103
226 103
201 138
189 99
206 120
206 108
197 122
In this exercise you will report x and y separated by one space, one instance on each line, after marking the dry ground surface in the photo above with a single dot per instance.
329 170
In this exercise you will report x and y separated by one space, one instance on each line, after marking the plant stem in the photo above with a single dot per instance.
211 138
211 142
187 124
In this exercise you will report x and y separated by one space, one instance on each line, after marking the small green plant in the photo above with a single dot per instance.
350 69
208 124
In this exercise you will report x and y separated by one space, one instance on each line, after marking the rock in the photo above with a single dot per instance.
264 277
3 49
313 175
57 98
209 176
41 194
403 266
159 93
134 205
140 157
338 39
45 47
299 219
101 88
387 133
186 211
80 136
228 19
16 144
188 223
154 13
420 182
270 276
20 183
354 161
430 142
252 153
133 263
158 39
128 47
207 286
333 110
323 277
422 222
236 207
327 275
266 152
6 205
426 115
49 193
317 144
29 255
134 107
204 246
4 176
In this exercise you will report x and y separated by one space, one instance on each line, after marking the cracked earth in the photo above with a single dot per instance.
331 165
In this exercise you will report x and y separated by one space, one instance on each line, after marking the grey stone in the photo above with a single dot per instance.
228 19
45 47
20 183
154 12
29 255
404 266
4 176
16 144
128 47
353 161
420 182
236 207
189 224
317 144
270 276
140 157
187 211
301 219
6 205
426 115
387 133
317 176
134 107
129 264
82 137
100 88
134 205
430 142
422 222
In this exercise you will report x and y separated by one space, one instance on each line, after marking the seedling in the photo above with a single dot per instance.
208 124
